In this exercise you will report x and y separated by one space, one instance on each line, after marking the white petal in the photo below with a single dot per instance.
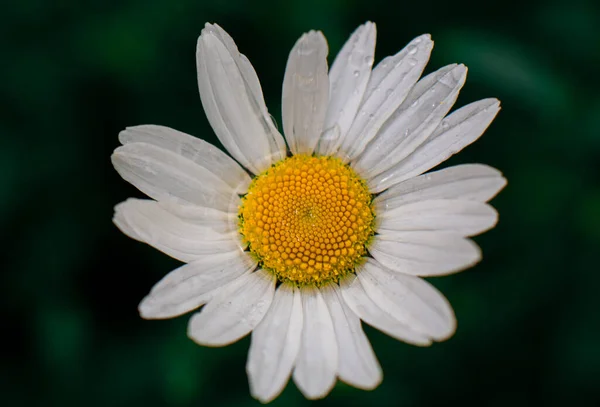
122 223
465 218
189 286
305 93
146 221
316 366
191 148
348 80
468 182
164 175
234 311
275 344
390 82
358 365
233 102
219 221
424 253
410 299
246 69
455 132
359 302
422 111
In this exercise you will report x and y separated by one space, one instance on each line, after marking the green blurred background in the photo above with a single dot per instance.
74 73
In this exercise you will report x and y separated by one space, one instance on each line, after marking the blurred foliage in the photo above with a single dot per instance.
74 73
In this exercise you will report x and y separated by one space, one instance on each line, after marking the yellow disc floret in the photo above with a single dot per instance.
307 219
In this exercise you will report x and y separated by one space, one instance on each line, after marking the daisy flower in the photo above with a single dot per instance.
297 238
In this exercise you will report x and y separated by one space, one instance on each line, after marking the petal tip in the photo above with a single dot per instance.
451 330
494 103
426 38
147 310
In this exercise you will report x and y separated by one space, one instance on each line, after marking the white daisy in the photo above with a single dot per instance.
299 243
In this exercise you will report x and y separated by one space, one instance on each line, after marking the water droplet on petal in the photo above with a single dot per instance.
305 82
356 73
447 80
412 50
411 61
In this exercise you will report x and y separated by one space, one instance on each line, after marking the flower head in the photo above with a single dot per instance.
297 241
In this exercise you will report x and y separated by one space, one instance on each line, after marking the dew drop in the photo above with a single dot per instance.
412 61
447 80
356 73
305 51
305 82
412 50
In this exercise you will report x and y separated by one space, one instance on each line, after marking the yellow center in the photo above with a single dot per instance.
307 219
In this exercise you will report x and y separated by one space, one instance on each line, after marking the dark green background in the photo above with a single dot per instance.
74 73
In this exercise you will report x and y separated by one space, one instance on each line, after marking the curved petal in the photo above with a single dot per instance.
305 93
164 175
362 305
275 344
146 221
219 221
468 182
187 287
390 83
234 311
422 111
358 365
464 218
410 299
120 221
191 148
348 80
424 253
246 69
233 102
317 362
454 133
